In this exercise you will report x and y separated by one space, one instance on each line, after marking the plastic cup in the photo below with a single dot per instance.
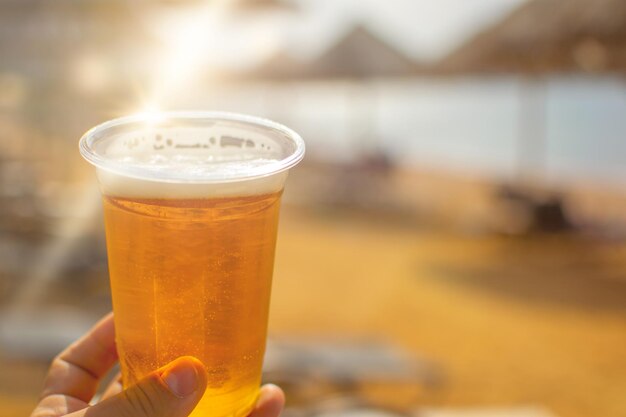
191 203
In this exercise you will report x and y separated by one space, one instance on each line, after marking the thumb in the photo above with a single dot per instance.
172 391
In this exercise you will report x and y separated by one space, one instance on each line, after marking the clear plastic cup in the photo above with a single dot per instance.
191 203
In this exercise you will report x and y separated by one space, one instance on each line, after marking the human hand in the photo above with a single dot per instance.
172 391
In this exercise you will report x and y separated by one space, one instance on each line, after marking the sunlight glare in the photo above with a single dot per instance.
150 113
187 45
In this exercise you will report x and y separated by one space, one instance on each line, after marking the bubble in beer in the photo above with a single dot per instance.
218 376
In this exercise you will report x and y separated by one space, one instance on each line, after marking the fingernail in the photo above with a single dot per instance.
181 378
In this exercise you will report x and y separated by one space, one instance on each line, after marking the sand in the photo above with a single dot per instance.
539 320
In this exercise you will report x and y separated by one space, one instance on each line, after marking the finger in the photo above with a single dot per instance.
76 371
172 391
270 403
114 387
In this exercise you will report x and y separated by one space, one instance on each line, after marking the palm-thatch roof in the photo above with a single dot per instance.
358 54
549 36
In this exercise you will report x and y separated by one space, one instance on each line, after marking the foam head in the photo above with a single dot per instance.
191 155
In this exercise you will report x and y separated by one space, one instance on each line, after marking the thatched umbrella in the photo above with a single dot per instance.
540 38
356 55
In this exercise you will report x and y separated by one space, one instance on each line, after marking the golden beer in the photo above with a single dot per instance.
193 277
191 212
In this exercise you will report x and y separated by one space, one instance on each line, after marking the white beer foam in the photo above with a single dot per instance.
184 162
116 185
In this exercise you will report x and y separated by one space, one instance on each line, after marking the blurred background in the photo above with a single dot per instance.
454 243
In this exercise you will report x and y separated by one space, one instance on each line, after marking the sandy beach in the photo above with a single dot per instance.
536 320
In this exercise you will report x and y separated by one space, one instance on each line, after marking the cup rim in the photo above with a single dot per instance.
86 148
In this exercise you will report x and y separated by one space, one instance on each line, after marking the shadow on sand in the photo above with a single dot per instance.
567 270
